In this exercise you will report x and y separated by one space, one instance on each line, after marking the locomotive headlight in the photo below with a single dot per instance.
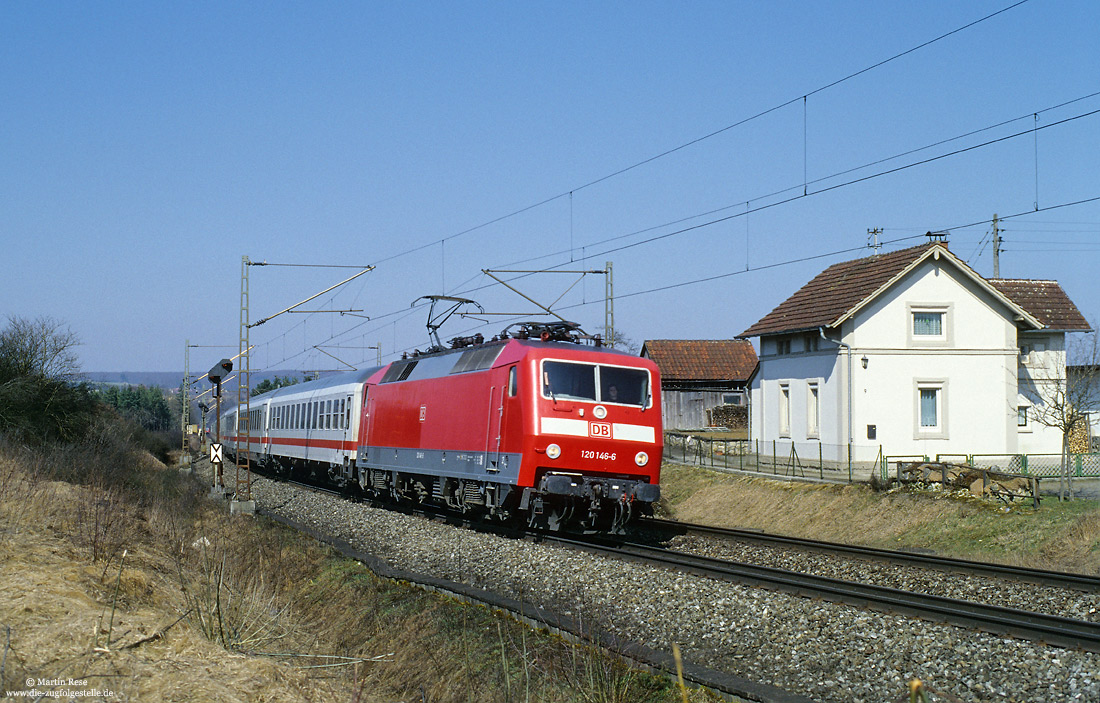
553 451
641 458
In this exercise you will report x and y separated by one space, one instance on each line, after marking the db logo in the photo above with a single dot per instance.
599 429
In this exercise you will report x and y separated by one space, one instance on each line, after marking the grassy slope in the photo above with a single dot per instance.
75 607
1063 536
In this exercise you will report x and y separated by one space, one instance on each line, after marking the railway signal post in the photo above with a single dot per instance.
219 371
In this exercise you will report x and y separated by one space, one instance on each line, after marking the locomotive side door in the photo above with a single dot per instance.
493 429
498 419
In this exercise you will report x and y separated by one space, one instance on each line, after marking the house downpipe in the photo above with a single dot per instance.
848 349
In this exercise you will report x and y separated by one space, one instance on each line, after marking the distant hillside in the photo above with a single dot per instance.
167 379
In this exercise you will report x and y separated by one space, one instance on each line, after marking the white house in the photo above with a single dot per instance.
911 351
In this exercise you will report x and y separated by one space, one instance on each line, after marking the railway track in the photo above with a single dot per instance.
1048 629
1056 579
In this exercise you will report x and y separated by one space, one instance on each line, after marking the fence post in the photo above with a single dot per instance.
820 463
775 460
1078 465
849 462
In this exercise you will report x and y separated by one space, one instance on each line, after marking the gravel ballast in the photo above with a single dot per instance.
827 651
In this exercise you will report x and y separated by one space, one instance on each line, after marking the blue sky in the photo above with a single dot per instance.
147 147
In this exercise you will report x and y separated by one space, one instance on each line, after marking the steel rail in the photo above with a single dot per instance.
1052 630
1060 579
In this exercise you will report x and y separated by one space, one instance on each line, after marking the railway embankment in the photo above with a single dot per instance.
120 581
1062 536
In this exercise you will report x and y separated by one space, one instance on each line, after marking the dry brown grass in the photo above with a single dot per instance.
132 583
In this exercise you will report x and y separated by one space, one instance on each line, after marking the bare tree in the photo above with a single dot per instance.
42 348
1065 390
39 398
620 341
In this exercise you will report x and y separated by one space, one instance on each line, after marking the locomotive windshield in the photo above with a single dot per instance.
595 382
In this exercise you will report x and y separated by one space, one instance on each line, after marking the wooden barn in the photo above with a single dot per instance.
704 382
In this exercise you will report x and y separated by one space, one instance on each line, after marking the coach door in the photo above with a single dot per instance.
345 420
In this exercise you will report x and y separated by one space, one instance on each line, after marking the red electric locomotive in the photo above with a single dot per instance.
559 432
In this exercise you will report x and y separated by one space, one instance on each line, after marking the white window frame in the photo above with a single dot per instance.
940 429
944 338
813 410
785 410
1023 411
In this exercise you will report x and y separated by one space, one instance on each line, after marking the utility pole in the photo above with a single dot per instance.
996 248
872 239
609 308
242 498
185 397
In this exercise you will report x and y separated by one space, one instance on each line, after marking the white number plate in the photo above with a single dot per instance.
602 456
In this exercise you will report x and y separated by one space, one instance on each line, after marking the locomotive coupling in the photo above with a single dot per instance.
596 488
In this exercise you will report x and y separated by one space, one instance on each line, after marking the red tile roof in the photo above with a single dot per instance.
835 291
1045 301
701 359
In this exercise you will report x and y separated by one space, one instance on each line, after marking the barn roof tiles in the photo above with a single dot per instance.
701 359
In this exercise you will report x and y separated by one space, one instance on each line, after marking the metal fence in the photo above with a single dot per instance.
1080 465
836 462
840 462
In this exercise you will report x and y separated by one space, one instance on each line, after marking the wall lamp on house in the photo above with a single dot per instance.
864 361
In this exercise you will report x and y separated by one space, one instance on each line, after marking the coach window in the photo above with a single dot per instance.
513 385
328 414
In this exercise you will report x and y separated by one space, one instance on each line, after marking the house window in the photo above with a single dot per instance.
930 409
1021 416
813 411
731 399
927 324
782 346
809 342
1028 349
785 409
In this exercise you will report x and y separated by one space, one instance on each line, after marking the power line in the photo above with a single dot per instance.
797 187
826 255
705 137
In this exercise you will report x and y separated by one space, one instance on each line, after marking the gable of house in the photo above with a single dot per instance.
843 289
